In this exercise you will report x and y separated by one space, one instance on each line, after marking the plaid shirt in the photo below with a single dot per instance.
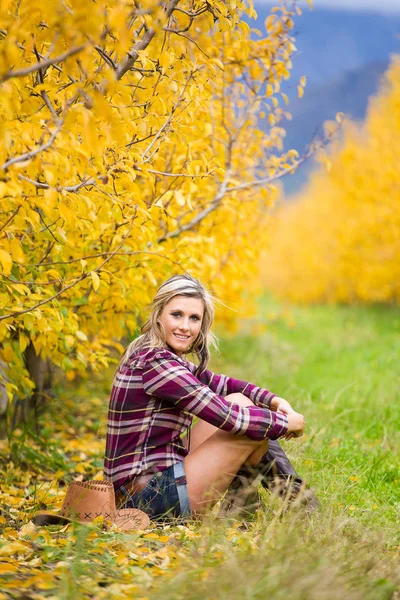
153 401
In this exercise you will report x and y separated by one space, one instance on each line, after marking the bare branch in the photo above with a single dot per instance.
68 188
99 255
10 218
47 227
202 214
40 78
35 152
179 32
133 54
192 15
133 142
106 57
47 62
49 105
312 149
50 246
178 174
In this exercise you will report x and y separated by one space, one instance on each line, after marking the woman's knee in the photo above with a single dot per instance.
255 448
255 457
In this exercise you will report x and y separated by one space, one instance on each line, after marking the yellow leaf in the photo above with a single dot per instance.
80 335
7 355
8 568
66 212
23 341
6 262
180 198
27 530
16 251
13 548
217 62
285 98
300 91
50 176
80 468
151 278
51 196
303 80
53 274
95 280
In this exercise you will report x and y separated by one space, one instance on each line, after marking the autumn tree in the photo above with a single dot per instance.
137 140
339 241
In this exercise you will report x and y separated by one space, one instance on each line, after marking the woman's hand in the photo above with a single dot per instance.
281 405
296 424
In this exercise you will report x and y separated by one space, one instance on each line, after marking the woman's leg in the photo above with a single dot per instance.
202 430
214 459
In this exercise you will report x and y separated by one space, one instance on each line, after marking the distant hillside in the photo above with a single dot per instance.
330 42
343 54
348 93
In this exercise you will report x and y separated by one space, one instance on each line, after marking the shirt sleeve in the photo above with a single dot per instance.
168 378
223 385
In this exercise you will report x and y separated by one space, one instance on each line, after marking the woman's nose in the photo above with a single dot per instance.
184 325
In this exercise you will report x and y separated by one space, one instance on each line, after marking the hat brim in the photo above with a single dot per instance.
53 519
127 519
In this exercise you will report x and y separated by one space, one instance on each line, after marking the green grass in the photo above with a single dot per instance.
339 366
336 365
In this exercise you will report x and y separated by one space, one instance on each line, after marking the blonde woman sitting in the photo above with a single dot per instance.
156 460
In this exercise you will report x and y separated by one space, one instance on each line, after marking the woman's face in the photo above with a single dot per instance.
181 319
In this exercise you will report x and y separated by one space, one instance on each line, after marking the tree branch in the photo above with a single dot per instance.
68 188
68 287
106 57
47 62
133 54
100 254
35 152
202 214
178 174
11 218
224 189
168 120
40 77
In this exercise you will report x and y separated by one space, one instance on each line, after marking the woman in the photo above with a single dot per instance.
157 392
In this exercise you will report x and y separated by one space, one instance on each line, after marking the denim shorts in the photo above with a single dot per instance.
164 497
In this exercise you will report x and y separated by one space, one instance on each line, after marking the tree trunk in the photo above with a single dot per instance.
41 374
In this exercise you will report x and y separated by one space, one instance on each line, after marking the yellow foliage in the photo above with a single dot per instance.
123 146
339 241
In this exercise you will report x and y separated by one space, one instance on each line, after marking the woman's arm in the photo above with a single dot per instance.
224 385
168 378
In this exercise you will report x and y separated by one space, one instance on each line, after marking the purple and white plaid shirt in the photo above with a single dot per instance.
153 401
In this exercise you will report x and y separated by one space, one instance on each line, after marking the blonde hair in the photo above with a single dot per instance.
152 331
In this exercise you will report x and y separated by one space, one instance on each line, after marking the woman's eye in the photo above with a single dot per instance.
176 314
196 318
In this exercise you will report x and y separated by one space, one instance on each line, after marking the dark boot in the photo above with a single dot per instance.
275 472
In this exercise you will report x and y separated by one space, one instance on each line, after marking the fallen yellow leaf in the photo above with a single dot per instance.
13 548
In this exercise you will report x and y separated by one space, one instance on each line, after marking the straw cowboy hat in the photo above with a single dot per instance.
87 500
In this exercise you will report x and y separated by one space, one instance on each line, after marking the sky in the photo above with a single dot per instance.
366 5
